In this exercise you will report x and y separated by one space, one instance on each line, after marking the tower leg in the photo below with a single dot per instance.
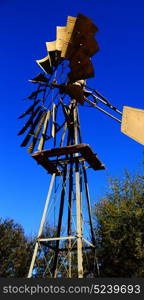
89 205
78 201
41 226
59 223
79 224
70 219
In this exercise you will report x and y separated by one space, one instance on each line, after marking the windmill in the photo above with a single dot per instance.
53 137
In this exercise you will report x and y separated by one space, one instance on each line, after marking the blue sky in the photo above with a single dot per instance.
119 68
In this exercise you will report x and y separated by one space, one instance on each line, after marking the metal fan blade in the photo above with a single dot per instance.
31 131
82 38
82 70
29 109
81 45
54 54
34 94
33 143
60 37
42 140
45 65
40 78
30 120
133 123
68 33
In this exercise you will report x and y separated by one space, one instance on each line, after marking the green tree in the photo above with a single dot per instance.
15 250
120 228
45 255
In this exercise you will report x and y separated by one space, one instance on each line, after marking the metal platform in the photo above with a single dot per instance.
63 155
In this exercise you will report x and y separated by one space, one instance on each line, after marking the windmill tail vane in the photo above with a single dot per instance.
52 127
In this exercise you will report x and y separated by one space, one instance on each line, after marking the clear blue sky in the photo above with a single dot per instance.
119 66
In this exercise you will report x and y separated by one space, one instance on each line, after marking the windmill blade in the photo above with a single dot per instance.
54 49
68 33
33 95
81 68
133 123
29 109
42 140
79 46
45 65
82 39
74 42
33 143
40 78
60 37
54 54
30 120
31 131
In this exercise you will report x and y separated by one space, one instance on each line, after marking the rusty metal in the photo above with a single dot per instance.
30 120
40 78
32 128
41 227
81 47
133 123
45 65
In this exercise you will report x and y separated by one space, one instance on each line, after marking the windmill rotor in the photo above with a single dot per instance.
66 66
72 50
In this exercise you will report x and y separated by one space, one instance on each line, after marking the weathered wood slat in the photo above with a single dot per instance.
47 165
83 149
42 140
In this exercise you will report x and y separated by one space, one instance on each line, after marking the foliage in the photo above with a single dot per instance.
45 255
120 228
15 250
